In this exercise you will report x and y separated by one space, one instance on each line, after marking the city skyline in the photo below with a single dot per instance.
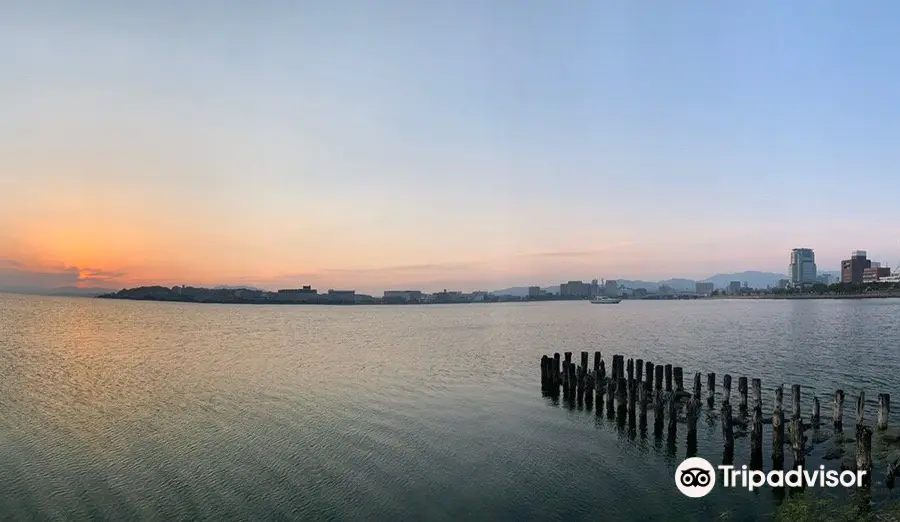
442 146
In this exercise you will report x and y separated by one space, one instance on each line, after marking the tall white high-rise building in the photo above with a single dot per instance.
802 270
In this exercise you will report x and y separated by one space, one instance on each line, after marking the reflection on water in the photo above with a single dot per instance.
140 410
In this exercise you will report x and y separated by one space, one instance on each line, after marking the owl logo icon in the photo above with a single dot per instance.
695 477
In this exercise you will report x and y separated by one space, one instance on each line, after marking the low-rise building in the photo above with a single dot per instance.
534 292
403 296
704 288
874 274
734 287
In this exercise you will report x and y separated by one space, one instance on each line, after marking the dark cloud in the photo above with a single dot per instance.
14 275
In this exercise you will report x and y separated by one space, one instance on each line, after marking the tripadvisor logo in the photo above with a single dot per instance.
696 477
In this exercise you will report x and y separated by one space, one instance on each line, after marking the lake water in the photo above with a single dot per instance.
125 410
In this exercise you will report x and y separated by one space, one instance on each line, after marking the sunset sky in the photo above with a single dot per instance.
464 144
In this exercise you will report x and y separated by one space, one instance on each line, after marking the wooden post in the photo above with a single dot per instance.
864 452
639 370
597 359
711 388
756 438
693 405
584 361
621 395
630 370
756 393
797 446
632 397
573 380
795 401
778 438
697 387
678 377
601 384
567 359
860 407
673 415
816 413
658 410
838 409
556 370
545 371
610 394
779 398
727 427
658 377
642 402
650 374
884 410
579 382
726 386
742 395
668 369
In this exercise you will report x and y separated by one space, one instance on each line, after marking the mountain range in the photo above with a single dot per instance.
753 278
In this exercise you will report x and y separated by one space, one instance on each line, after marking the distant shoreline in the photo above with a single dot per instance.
867 295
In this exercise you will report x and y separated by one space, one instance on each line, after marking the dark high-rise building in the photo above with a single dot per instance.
852 269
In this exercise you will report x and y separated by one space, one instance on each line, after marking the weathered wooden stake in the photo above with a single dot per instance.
597 359
838 409
672 415
742 395
778 438
556 370
779 398
797 445
816 417
756 438
567 359
572 380
860 407
639 370
630 370
727 427
711 389
864 453
756 393
584 361
632 397
693 405
795 401
726 387
884 410
650 374
668 369
579 382
678 377
697 387
610 395
658 378
658 411
621 395
642 402
545 371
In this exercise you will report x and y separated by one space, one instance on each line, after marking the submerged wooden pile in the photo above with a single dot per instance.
634 385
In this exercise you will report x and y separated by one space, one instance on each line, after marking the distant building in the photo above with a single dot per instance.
611 288
534 292
305 294
734 287
704 288
341 296
665 290
595 288
802 270
874 274
448 297
575 290
402 296
852 269
783 283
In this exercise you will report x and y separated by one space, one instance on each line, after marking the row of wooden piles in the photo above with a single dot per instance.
634 385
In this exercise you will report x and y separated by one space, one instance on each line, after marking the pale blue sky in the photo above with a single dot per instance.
330 141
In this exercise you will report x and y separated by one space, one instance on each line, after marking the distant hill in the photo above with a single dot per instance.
226 287
753 278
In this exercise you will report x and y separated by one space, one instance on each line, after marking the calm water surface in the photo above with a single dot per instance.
167 411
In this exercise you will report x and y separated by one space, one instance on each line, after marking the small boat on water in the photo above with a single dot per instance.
602 299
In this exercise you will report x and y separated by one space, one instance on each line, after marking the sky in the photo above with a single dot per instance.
463 145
